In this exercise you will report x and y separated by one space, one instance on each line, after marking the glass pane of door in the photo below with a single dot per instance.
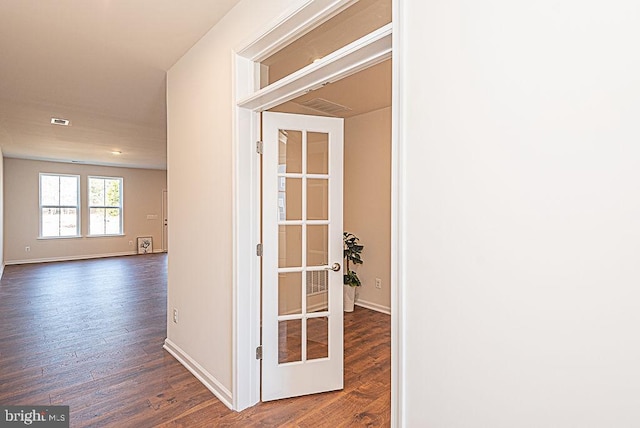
317 338
303 217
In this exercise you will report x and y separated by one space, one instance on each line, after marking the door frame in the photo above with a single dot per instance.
299 19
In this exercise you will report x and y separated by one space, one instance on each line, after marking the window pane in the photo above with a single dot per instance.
113 192
317 199
69 191
68 222
96 221
49 190
292 198
105 206
289 246
289 293
290 151
317 290
59 201
317 338
96 192
50 222
317 245
112 221
289 341
317 153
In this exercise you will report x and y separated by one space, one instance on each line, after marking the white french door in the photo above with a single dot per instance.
302 318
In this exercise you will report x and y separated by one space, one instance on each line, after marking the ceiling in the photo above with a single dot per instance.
100 64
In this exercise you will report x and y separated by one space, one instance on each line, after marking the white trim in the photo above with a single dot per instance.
312 308
246 235
2 270
397 229
365 52
105 207
200 373
373 306
46 238
289 26
69 258
77 206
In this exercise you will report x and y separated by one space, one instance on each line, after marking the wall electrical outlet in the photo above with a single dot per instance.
130 243
378 283
27 248
175 315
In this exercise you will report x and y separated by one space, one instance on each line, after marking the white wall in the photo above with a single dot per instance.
521 213
200 124
367 201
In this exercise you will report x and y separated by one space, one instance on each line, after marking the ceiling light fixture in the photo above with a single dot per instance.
58 121
116 152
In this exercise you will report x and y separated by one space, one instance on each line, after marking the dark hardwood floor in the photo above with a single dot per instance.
89 334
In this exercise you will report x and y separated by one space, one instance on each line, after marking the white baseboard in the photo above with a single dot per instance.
69 258
200 373
373 306
1 270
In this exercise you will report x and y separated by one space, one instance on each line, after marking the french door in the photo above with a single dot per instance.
302 318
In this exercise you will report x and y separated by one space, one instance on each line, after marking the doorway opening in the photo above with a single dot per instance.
365 53
363 100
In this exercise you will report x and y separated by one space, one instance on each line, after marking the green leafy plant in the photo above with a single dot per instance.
352 250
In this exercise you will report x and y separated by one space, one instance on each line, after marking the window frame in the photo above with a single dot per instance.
106 207
42 206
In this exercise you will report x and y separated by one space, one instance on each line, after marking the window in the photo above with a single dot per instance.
59 207
105 206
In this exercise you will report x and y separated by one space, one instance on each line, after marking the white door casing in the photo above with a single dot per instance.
302 318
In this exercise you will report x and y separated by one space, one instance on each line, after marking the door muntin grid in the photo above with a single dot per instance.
303 245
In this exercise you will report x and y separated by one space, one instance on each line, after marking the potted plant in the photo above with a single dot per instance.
352 250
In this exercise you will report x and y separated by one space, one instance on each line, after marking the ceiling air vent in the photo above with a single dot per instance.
61 122
325 106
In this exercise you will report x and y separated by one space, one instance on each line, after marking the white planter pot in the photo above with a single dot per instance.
349 295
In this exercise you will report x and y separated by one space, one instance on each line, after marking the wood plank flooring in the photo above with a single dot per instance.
89 334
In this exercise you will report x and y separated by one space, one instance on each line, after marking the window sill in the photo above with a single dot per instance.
115 235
